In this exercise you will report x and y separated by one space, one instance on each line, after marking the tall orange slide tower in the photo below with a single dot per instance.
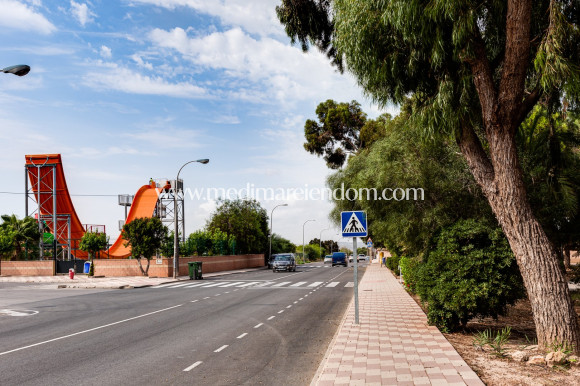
55 209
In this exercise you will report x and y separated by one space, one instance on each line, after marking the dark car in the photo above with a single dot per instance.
283 262
339 258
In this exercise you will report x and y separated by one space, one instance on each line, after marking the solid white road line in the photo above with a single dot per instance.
193 366
281 284
258 325
241 336
298 284
89 330
221 348
315 284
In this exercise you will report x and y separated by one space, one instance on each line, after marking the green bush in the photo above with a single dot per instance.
470 272
410 268
393 263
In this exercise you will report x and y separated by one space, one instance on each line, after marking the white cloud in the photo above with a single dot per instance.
226 119
81 12
256 17
166 138
113 77
106 52
19 16
262 70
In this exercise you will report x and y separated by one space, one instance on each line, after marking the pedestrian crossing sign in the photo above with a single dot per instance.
354 224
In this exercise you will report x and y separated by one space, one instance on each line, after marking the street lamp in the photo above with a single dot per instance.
272 231
320 240
19 70
303 248
175 233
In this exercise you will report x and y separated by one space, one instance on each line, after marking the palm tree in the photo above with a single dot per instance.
22 232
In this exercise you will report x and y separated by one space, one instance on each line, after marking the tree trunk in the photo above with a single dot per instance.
146 271
554 315
567 257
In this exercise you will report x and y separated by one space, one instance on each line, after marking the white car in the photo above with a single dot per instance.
350 258
361 257
328 259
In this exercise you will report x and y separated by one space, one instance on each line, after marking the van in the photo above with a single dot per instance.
339 258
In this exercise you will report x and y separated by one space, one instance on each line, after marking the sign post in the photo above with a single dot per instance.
354 224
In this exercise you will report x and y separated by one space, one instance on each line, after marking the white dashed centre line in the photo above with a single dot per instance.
280 311
301 299
217 294
258 325
296 302
271 317
289 306
221 348
241 336
193 366
207 297
193 301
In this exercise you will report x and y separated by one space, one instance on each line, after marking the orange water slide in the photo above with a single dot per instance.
143 205
41 166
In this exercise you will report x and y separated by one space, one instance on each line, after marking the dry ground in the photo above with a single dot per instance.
494 370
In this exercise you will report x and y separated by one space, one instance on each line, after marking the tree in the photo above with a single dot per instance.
327 245
22 233
145 236
475 71
94 242
245 220
337 133
282 245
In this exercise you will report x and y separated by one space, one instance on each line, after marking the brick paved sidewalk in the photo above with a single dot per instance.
392 345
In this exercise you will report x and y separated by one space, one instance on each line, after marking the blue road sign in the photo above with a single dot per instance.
354 224
370 244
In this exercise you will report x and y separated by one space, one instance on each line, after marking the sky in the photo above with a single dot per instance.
130 90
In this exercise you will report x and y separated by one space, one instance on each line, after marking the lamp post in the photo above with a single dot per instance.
272 231
175 215
303 247
18 70
320 240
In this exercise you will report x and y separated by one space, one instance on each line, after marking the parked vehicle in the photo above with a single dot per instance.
350 259
361 257
284 262
339 258
328 259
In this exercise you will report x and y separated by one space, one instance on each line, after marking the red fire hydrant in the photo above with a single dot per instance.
71 273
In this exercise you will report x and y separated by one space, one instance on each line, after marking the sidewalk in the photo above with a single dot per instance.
83 281
393 344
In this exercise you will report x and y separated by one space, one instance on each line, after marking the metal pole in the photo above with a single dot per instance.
54 224
25 191
175 216
182 217
41 243
175 236
303 246
320 241
355 258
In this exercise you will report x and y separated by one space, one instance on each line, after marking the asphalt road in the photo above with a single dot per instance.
252 328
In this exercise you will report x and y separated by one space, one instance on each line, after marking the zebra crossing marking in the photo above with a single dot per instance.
349 284
298 284
282 284
333 284
316 283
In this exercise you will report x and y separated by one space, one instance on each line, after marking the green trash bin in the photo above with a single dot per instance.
191 268
197 269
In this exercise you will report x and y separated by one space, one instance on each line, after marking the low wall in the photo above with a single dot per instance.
28 268
221 263
130 267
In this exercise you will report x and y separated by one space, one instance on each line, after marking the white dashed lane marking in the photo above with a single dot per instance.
241 336
221 348
193 366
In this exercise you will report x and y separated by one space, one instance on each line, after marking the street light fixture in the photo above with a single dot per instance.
320 240
303 247
272 231
175 233
19 70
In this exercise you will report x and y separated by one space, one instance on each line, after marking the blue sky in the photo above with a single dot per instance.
129 90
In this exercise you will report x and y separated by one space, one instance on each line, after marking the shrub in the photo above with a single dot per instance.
393 264
410 269
470 272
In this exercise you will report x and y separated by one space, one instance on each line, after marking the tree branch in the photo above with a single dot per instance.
515 64
527 105
478 161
